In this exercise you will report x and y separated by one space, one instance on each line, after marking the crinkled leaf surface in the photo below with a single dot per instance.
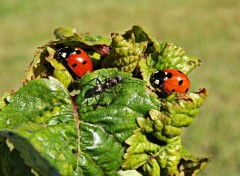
141 35
125 53
183 108
172 56
110 116
156 146
169 56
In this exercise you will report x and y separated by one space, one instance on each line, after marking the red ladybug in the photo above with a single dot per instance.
170 80
76 59
80 63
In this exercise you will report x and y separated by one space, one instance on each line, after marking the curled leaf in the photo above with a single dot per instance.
61 32
170 56
60 72
125 54
192 165
183 109
147 153
156 146
39 67
141 35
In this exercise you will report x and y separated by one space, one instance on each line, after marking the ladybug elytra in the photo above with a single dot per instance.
76 59
170 80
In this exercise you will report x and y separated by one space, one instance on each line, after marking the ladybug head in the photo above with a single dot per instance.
158 78
62 54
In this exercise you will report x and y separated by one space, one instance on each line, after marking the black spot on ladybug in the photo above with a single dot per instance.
84 62
173 90
78 52
186 90
180 71
169 75
180 82
74 65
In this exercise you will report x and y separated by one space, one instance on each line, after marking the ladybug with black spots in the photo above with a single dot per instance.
76 59
170 80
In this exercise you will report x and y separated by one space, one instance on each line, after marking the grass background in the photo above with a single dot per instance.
206 29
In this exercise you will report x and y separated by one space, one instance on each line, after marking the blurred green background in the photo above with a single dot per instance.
209 30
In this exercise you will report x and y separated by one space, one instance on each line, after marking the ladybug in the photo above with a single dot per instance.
76 59
170 80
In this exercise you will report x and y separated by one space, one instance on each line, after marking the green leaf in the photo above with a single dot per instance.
147 153
176 111
3 100
125 93
192 165
95 40
101 148
128 172
95 46
45 64
125 54
110 115
156 146
81 40
39 67
61 32
40 97
170 56
182 108
39 124
60 72
141 35
45 129
151 168
137 153
7 165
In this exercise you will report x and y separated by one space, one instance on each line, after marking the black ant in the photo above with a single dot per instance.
102 86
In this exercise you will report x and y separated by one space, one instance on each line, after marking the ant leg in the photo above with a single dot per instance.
113 92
